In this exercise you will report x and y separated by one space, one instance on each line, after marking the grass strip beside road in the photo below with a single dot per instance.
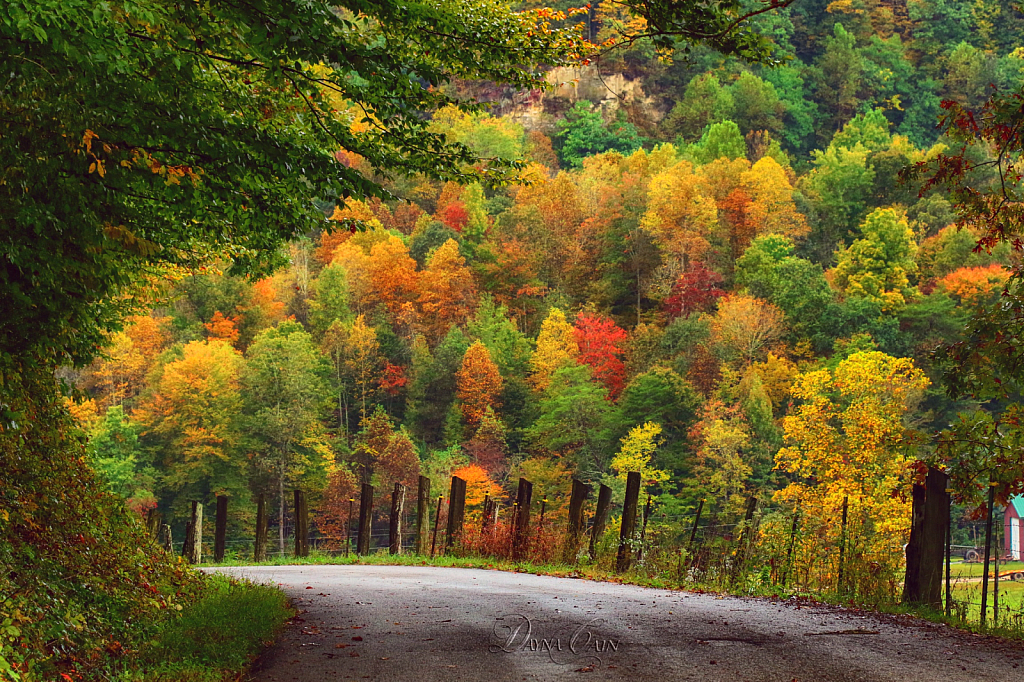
215 639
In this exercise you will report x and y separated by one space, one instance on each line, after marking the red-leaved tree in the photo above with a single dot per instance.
696 291
600 342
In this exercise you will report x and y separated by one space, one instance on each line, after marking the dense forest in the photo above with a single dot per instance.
701 267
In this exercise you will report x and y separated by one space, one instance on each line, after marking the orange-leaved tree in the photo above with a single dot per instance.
479 384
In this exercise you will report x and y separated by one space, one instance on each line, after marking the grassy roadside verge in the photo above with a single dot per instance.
596 572
212 640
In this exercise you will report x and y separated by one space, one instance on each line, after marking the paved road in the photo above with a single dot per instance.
424 623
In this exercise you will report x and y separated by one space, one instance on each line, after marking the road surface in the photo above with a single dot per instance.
425 623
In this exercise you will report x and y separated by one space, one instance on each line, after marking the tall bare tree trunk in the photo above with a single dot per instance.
280 511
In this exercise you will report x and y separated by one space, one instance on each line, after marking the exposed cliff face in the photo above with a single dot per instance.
537 110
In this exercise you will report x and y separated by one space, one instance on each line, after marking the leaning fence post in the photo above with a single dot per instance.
521 537
696 520
221 530
422 514
259 552
194 540
395 527
365 519
604 500
577 497
628 529
437 522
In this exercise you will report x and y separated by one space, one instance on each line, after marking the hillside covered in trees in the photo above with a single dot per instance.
704 268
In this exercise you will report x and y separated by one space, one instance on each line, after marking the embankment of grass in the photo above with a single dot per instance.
214 639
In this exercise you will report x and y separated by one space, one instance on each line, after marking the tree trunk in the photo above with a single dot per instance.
280 513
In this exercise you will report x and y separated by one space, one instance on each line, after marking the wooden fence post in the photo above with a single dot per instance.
696 520
365 519
456 512
521 541
949 546
988 550
395 527
194 541
422 515
578 496
301 524
168 540
628 529
936 519
259 552
154 524
437 522
604 500
221 530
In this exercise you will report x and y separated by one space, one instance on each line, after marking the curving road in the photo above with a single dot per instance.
425 623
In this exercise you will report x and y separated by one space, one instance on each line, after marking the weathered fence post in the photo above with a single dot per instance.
365 519
949 547
456 512
928 530
936 522
422 514
301 524
437 522
604 500
221 529
988 550
259 552
521 537
578 496
194 540
168 540
153 524
395 529
628 530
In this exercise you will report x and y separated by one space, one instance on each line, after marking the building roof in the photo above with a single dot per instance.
1017 502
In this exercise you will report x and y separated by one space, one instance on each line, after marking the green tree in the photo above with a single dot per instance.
704 102
432 385
757 105
583 133
329 300
571 421
284 391
115 454
879 264
839 188
719 140
836 79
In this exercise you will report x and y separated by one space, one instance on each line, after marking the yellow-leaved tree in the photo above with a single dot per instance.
556 348
638 447
848 439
